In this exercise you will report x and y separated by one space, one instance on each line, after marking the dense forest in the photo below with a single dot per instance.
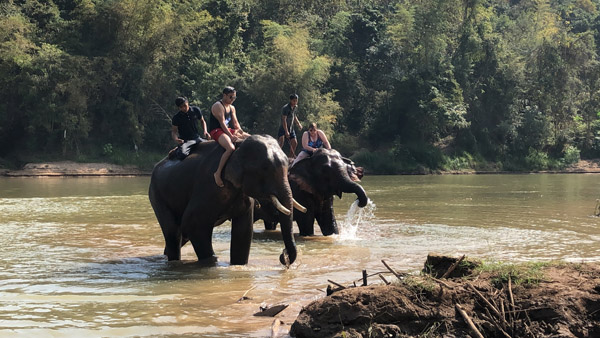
398 85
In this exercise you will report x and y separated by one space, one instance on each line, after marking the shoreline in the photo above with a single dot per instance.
75 169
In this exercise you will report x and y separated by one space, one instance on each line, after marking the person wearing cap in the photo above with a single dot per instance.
288 119
225 128
184 130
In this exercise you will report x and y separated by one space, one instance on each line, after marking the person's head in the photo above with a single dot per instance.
294 99
229 95
182 103
312 128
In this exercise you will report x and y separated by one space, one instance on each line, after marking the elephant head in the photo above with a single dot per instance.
259 168
315 180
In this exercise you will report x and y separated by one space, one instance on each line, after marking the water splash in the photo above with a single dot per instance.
355 218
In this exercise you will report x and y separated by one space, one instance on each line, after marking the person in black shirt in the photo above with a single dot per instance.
185 126
288 119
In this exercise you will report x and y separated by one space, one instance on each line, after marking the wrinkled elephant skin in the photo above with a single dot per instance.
188 204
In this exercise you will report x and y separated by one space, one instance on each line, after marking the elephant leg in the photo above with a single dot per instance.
198 232
270 225
305 221
326 218
241 236
171 231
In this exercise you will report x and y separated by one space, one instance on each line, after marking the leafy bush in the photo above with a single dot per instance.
537 160
572 155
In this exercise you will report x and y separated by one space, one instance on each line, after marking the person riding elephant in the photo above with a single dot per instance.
314 181
188 204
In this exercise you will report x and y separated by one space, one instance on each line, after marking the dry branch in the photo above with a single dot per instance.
468 321
383 279
399 276
452 267
336 284
492 307
244 295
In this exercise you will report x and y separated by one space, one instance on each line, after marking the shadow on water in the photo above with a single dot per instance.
152 269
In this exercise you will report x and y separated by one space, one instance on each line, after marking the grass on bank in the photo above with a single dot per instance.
529 273
526 273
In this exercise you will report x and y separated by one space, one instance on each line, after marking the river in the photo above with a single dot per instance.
82 256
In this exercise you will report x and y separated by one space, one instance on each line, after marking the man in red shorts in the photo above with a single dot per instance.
222 118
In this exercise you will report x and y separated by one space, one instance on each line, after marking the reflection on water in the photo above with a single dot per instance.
82 256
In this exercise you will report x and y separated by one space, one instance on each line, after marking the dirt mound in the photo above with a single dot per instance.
501 300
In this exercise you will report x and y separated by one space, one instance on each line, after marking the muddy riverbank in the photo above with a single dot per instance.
505 300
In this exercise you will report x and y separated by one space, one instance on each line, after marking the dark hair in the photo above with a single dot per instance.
228 90
312 126
293 96
180 101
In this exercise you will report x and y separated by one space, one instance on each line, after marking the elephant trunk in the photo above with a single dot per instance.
285 221
353 187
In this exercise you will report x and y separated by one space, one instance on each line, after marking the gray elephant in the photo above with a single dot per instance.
314 182
188 204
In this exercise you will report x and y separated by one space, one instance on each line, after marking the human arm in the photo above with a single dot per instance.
206 135
234 120
297 122
175 135
324 139
285 126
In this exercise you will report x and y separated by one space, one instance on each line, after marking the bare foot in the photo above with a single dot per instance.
218 180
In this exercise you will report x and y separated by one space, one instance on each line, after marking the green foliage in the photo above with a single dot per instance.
572 155
537 160
515 83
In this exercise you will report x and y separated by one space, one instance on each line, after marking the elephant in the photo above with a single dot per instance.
314 182
188 204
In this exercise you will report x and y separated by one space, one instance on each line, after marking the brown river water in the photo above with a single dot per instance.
82 256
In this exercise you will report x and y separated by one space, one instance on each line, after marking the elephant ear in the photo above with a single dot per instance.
299 175
234 168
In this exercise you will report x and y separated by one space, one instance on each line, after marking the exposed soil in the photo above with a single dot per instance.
68 168
563 300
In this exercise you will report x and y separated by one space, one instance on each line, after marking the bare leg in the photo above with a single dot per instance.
226 143
301 155
293 145
281 139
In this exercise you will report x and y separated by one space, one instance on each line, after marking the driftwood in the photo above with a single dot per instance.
399 276
468 320
244 295
383 279
271 311
489 305
452 267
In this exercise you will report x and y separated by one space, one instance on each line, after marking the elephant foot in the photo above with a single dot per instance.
218 180
207 262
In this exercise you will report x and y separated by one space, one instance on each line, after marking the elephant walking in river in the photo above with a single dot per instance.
314 182
188 204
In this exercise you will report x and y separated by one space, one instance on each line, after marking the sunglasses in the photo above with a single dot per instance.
232 97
